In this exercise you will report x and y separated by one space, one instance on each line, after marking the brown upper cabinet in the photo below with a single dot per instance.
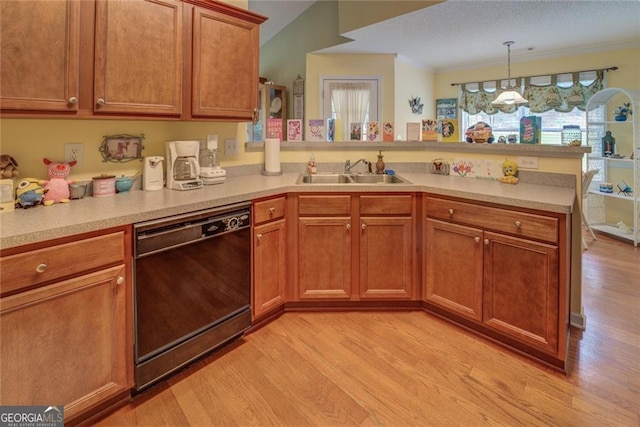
173 59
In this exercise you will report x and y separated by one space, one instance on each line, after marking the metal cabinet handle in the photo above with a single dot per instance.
41 268
477 239
73 100
272 210
450 212
348 226
486 242
259 236
518 224
363 226
100 101
120 280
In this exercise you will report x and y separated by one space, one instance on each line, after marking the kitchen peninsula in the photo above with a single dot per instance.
100 229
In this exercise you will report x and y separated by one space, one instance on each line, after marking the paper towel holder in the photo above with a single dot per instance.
267 173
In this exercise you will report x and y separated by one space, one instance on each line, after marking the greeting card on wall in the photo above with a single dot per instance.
447 108
315 130
274 128
294 130
448 130
429 130
414 131
387 132
355 132
373 132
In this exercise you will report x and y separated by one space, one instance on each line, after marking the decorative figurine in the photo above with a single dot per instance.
608 145
380 163
510 171
57 187
8 166
29 193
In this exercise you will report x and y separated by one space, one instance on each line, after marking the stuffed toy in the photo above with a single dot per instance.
510 171
57 187
8 166
29 193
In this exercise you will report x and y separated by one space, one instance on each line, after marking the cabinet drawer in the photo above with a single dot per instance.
324 205
382 205
508 221
43 265
269 210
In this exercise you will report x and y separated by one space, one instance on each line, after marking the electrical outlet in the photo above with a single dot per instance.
230 146
74 151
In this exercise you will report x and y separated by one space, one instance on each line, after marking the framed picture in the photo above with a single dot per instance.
447 108
121 148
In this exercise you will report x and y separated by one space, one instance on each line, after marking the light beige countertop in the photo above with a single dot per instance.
40 223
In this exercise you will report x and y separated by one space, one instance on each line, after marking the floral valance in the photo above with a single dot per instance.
560 92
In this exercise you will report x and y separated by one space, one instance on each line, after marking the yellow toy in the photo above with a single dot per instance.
510 171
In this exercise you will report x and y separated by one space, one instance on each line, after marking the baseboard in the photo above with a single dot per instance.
578 320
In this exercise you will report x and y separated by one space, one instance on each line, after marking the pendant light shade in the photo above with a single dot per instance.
510 95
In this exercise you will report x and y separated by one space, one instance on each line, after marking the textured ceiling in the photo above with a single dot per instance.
467 33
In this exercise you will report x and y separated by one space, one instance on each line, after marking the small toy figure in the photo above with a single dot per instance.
8 166
57 187
510 171
29 193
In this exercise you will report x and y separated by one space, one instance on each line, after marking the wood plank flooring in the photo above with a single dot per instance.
413 369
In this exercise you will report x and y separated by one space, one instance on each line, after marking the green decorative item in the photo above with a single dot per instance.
608 145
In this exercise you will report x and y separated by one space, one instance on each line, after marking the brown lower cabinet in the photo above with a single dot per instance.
512 285
67 329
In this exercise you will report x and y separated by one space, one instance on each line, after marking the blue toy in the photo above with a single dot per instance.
29 193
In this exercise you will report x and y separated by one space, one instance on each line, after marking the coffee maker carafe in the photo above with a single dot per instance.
182 167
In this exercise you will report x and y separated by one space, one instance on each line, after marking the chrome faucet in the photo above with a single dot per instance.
348 166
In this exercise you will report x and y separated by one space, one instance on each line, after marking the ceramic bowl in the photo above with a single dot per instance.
123 184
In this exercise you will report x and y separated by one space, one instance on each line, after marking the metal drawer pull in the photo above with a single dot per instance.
100 101
450 211
259 236
41 268
364 226
486 242
518 224
348 226
73 100
272 209
120 280
477 239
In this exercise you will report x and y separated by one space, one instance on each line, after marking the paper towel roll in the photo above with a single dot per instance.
272 155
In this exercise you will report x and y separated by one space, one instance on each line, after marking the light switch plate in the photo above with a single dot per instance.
526 162
230 146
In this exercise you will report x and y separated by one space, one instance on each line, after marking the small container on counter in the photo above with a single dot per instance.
77 190
123 184
104 186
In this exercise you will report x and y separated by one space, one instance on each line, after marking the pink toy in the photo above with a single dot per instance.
57 187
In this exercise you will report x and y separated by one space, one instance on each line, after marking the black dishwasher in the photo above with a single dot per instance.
192 287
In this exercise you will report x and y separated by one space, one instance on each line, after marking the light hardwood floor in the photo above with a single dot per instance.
413 369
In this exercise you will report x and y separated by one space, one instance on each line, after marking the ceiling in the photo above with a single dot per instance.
460 34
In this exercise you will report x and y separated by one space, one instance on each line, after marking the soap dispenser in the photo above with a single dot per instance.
380 163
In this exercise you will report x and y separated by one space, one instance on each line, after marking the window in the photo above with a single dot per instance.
352 99
558 100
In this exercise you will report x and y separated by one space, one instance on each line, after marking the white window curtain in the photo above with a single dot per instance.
351 103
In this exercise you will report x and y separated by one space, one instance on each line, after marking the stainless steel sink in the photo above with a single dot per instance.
378 179
342 178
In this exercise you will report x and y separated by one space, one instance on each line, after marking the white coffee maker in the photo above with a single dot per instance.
183 169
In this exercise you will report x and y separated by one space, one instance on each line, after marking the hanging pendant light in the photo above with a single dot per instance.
510 95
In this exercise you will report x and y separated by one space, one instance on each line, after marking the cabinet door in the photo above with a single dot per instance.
225 66
270 267
139 57
324 258
67 343
453 264
386 257
521 294
39 44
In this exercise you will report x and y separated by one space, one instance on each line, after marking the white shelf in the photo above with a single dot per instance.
612 230
599 108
